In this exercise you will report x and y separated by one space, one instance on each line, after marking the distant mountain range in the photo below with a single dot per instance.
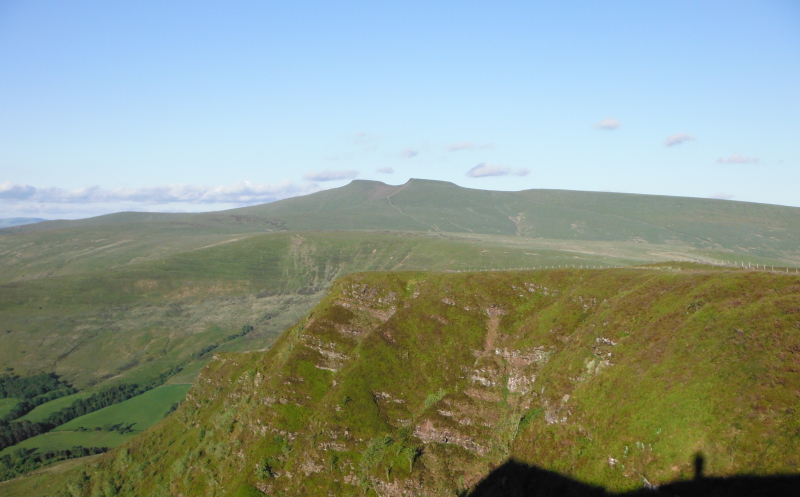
722 228
19 221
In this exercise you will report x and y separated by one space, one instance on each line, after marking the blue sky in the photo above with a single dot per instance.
192 106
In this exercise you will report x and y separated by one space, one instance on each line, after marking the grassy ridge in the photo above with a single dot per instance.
424 382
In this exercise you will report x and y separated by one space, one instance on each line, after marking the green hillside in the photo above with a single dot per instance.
423 382
124 298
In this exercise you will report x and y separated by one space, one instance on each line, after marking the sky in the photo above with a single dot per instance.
182 106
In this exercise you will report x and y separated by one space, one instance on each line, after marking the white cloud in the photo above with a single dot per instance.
677 139
483 170
460 146
243 192
735 158
10 191
468 146
329 175
384 170
608 124
721 196
409 153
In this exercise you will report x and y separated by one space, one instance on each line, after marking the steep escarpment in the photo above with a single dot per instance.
421 384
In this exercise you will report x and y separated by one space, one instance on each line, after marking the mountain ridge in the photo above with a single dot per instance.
371 190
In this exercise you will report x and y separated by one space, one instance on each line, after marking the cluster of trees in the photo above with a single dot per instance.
245 330
28 387
23 407
104 398
24 460
208 348
11 433
205 350
16 432
122 428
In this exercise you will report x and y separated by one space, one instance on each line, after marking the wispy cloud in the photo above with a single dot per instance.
468 146
608 124
340 157
735 158
721 196
484 170
409 153
329 175
384 170
677 139
243 192
362 138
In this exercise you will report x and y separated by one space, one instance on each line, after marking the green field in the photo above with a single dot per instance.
6 405
97 429
140 412
40 413
67 439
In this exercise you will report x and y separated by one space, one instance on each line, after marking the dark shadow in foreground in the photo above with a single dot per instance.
516 479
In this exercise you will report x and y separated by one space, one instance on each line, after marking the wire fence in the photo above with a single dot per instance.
732 264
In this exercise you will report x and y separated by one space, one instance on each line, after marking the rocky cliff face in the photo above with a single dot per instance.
420 384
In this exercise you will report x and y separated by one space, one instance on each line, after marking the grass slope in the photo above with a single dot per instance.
421 383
